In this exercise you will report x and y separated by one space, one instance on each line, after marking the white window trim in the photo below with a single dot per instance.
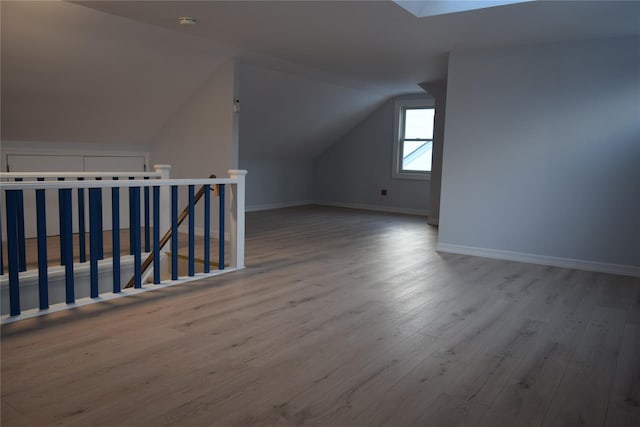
396 166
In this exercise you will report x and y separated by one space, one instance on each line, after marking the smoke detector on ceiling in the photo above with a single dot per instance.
187 20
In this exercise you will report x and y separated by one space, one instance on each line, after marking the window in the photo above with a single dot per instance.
413 145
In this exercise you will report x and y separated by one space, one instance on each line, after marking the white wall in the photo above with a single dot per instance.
354 170
43 147
542 154
278 183
439 92
70 73
287 119
201 137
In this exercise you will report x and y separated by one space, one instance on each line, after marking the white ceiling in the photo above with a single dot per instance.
114 71
377 42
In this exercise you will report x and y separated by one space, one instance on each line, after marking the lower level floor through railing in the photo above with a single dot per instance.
29 289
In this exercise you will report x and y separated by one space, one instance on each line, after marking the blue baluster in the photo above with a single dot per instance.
101 236
135 231
207 228
22 252
12 251
95 230
147 242
131 241
156 234
174 232
41 225
61 216
221 230
1 251
115 236
66 228
81 225
191 230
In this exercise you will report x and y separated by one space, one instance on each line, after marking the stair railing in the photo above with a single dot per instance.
183 215
165 200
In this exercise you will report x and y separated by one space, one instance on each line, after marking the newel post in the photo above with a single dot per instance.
237 218
165 209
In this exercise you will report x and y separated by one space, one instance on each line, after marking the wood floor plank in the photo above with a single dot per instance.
633 314
624 403
447 411
583 393
341 318
550 345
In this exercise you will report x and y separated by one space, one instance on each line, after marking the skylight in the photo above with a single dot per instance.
422 8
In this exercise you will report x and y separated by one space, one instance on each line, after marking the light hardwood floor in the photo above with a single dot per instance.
342 318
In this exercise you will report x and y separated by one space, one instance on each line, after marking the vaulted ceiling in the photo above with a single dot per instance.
378 43
114 71
73 74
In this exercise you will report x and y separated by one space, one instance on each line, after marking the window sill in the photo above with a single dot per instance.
414 176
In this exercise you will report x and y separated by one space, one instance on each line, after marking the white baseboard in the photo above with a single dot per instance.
579 264
377 208
254 208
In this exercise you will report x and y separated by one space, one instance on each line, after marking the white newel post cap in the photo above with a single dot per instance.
237 172
163 169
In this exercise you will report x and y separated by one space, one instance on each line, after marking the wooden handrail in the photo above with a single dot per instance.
165 239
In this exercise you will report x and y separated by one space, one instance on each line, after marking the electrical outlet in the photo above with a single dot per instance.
383 192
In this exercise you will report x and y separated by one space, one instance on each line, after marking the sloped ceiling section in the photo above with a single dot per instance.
360 40
287 116
115 71
73 74
379 43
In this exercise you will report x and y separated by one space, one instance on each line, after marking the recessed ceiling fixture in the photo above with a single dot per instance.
187 20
